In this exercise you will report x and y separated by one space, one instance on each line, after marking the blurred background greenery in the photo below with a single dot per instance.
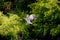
45 27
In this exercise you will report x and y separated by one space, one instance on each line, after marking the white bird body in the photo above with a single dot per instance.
28 21
30 18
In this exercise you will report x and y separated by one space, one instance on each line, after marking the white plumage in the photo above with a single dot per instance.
30 18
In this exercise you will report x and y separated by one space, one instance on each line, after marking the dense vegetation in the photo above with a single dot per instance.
45 27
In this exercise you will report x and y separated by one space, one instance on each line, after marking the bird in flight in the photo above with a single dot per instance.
30 18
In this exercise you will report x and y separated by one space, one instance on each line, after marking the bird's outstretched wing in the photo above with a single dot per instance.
28 21
30 18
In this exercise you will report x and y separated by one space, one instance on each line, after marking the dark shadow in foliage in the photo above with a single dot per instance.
5 37
49 37
24 4
33 34
13 3
58 0
57 37
5 10
21 35
58 4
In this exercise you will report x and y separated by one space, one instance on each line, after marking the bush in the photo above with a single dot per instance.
48 18
11 25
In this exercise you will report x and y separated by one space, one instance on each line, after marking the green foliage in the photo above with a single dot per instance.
47 23
11 25
48 16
